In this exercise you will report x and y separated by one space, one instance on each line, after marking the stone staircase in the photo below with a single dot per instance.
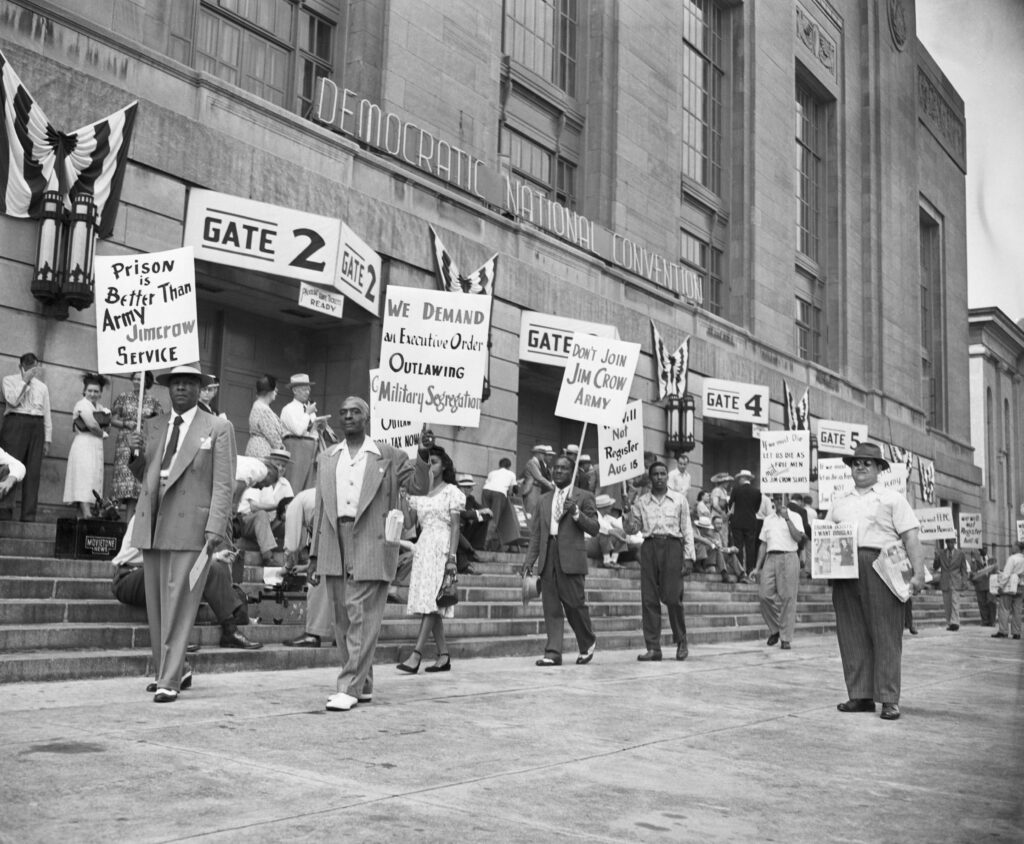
59 620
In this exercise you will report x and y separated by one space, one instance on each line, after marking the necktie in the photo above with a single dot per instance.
559 504
172 445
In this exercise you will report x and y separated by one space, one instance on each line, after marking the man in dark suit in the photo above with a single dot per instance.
186 464
744 503
558 547
357 482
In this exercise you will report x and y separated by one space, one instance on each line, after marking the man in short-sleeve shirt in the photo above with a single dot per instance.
869 617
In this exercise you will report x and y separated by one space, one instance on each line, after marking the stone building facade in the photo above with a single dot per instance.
781 182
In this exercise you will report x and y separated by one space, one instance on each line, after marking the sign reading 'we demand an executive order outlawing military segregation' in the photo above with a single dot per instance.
146 311
433 356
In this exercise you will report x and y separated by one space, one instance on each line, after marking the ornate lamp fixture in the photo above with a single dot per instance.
679 404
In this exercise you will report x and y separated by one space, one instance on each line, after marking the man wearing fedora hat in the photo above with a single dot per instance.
259 517
536 478
744 503
186 465
303 426
869 617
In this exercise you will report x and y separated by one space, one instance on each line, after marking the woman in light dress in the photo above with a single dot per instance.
266 431
124 413
438 513
85 459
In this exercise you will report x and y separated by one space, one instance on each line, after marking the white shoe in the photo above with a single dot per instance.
341 702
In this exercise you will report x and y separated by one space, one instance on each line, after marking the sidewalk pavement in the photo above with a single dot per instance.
739 743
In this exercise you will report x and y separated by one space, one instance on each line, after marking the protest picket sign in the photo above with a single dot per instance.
840 437
146 311
597 379
834 550
936 523
621 447
1020 530
400 433
970 530
834 479
321 300
785 461
433 356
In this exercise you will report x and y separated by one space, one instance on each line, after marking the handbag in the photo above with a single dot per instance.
448 594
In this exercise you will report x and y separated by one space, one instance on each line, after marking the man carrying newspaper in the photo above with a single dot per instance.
869 615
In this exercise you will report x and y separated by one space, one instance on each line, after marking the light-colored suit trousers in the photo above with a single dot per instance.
777 591
319 611
166 578
359 609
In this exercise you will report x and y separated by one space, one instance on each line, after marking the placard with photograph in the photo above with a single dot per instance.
834 550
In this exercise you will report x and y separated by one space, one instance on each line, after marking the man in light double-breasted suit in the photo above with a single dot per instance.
558 547
358 482
186 464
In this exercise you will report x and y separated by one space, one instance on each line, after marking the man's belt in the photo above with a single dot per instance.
297 437
782 552
346 519
661 537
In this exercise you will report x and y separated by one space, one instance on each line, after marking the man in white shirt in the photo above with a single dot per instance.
12 471
303 426
503 528
679 476
778 570
257 519
1008 606
27 432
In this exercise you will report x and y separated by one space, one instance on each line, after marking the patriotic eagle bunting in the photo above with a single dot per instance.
35 157
672 368
795 415
926 475
481 281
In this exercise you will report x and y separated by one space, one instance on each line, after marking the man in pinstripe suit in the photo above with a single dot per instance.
869 617
358 482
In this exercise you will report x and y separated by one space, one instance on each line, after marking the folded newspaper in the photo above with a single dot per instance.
894 567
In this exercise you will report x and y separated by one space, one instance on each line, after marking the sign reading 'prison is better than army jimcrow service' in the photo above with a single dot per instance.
433 356
146 311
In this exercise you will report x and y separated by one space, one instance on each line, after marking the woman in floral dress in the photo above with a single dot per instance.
266 431
438 514
123 416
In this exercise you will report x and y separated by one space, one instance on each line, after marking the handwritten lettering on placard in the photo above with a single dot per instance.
785 461
621 447
597 379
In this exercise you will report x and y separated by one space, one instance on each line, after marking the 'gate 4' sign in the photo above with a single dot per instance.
597 379
735 400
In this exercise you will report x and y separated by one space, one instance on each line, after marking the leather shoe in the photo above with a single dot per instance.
999 636
856 705
192 647
548 661
682 650
649 656
186 680
341 702
953 627
890 711
913 631
1016 635
584 658
165 696
237 639
786 646
772 640
306 640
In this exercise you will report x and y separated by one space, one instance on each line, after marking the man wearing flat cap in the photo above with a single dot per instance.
869 617
303 425
186 465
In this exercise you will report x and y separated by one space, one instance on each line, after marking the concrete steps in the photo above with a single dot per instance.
59 620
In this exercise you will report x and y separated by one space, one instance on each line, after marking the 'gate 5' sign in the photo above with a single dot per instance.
736 401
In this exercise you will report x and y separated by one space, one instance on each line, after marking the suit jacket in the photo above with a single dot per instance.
535 476
384 476
572 549
952 568
197 499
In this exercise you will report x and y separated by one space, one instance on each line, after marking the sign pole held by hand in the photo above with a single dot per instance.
138 411
576 462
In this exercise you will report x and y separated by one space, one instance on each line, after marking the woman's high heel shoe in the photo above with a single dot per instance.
431 669
408 669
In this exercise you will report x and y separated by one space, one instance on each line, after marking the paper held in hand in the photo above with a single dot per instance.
894 567
834 550
198 566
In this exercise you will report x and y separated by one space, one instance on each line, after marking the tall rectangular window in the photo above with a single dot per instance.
541 168
542 35
702 93
699 254
274 49
808 330
810 170
932 329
